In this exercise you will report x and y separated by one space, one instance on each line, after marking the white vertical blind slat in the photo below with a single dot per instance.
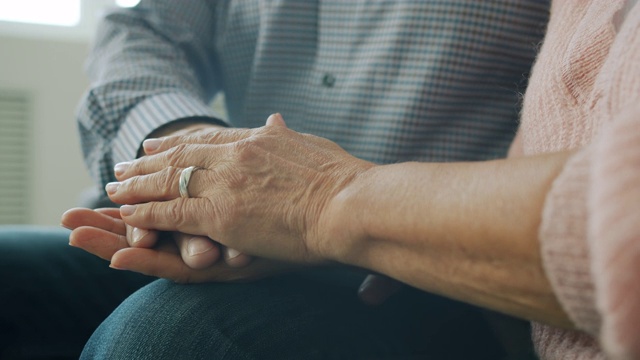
14 157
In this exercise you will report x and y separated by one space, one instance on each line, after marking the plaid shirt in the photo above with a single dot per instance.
389 81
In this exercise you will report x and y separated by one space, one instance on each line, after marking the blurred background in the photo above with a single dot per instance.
43 46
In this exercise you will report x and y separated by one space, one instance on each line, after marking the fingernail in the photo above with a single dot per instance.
199 247
126 210
150 145
369 293
120 168
275 116
275 119
366 285
137 234
112 187
115 267
232 253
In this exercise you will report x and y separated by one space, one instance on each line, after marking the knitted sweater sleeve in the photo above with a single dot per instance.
614 233
590 226
590 241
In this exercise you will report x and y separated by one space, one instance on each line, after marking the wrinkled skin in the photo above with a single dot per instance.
260 190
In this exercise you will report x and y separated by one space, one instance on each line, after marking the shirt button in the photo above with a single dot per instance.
328 80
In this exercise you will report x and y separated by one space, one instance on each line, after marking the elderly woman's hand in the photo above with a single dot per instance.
198 252
264 191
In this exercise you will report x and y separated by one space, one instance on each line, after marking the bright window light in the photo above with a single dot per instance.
47 12
127 3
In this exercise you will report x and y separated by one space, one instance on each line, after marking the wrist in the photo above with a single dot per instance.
343 223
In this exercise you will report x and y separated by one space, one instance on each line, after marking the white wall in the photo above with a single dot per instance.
51 72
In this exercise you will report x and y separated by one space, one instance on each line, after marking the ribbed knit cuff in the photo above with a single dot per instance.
552 343
564 246
615 232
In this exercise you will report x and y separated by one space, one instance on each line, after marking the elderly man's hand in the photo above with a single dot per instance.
103 233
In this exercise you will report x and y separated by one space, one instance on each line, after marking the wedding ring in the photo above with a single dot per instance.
183 183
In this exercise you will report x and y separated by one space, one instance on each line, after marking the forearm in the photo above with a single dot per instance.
463 230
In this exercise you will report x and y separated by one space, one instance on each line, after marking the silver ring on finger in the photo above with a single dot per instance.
183 183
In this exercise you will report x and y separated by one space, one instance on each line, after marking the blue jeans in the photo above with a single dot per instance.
53 296
310 315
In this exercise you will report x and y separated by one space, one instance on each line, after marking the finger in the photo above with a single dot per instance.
198 252
106 219
154 263
159 186
187 129
190 216
109 219
235 258
376 289
114 212
208 136
139 237
276 120
181 156
170 266
99 242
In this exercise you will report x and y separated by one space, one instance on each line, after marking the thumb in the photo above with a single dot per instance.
197 252
276 120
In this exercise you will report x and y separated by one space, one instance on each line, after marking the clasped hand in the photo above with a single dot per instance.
267 192
263 191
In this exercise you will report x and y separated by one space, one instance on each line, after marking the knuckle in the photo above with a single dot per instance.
218 136
201 137
147 213
212 138
231 214
176 154
135 167
129 186
178 211
222 218
245 150
175 213
166 142
153 213
190 137
169 181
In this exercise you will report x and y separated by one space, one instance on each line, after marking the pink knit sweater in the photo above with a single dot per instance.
584 94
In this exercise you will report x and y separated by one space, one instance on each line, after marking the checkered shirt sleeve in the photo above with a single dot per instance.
411 80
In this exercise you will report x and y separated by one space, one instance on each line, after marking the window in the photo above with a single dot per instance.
127 3
46 12
15 148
